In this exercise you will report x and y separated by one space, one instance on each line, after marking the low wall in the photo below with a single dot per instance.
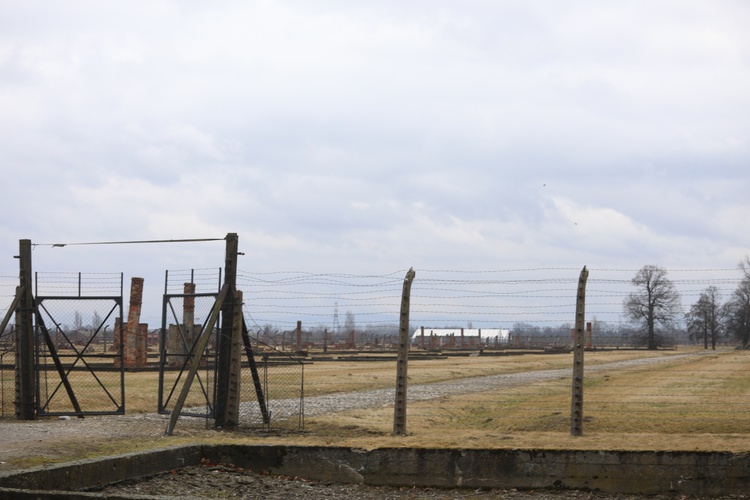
689 473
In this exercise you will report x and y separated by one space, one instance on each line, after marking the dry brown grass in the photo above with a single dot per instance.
141 388
330 377
691 404
697 403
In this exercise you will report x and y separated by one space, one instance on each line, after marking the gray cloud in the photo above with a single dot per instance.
378 134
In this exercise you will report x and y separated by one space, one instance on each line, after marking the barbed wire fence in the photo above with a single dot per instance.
536 305
303 325
346 314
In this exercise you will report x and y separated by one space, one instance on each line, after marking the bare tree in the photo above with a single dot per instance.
745 267
704 318
737 309
655 303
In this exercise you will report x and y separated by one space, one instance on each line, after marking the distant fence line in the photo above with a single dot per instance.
536 304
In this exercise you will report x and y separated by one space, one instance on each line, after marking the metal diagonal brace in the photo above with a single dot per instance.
254 372
199 350
58 365
12 309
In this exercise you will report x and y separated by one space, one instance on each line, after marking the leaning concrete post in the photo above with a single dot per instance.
576 407
399 415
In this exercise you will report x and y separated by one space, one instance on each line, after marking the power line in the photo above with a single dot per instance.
132 242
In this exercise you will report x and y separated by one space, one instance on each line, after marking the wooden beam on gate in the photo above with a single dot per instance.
576 406
197 357
399 413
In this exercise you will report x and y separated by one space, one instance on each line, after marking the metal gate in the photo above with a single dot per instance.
184 317
191 372
79 368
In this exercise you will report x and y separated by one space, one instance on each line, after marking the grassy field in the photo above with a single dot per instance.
688 403
695 403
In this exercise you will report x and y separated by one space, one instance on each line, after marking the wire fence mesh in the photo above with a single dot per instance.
7 374
271 391
278 383
349 324
326 343
186 317
77 359
8 286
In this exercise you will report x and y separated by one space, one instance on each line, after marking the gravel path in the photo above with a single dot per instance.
39 438
320 405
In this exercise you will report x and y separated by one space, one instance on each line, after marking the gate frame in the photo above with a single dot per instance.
44 333
190 355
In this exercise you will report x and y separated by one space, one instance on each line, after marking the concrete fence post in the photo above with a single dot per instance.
25 364
399 414
576 407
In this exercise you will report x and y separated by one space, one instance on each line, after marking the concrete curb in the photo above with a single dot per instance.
689 473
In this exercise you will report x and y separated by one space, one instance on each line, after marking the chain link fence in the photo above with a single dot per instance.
271 382
273 397
7 373
8 286
78 363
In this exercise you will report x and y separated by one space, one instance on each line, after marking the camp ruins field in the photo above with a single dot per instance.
684 399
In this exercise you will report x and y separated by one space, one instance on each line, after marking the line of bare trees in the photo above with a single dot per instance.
655 306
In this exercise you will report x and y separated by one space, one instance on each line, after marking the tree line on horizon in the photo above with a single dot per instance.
656 307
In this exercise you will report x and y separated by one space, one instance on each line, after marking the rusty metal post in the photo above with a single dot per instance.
576 407
399 415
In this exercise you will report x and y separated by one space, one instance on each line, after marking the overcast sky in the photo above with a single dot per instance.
371 136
